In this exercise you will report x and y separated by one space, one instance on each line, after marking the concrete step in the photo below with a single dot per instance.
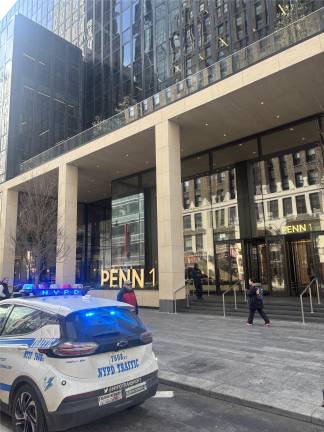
243 314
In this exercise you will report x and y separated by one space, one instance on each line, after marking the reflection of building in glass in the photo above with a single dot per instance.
260 216
128 231
46 93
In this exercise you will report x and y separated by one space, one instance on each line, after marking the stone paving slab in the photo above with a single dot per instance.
278 369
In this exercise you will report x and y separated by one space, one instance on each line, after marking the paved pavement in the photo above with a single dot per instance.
278 368
188 412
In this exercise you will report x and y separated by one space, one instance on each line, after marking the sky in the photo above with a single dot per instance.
5 5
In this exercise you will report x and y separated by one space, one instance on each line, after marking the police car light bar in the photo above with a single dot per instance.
29 289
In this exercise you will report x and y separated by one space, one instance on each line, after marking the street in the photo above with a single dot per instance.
187 412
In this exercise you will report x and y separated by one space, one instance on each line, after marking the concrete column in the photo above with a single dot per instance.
169 215
8 226
67 224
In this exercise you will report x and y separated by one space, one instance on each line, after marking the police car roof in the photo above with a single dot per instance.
64 305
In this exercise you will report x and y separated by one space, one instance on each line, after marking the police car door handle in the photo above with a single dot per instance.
23 347
19 347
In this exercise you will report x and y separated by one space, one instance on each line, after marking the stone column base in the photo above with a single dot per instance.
168 305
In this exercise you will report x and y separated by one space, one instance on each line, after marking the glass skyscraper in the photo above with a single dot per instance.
133 48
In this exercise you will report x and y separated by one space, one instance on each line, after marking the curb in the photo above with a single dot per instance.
244 402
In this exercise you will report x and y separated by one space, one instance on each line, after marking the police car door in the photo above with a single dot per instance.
6 357
17 338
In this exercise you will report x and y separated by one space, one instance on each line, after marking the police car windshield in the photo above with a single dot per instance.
104 322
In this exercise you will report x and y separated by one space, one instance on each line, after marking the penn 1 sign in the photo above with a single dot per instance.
115 278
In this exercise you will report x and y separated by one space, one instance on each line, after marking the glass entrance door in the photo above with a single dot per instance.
256 261
229 264
300 264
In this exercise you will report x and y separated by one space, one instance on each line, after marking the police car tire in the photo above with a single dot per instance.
27 394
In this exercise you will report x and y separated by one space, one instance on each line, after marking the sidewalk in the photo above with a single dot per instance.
278 369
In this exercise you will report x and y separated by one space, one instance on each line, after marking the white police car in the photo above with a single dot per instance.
65 361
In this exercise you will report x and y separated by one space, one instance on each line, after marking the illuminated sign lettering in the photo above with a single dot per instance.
115 278
292 229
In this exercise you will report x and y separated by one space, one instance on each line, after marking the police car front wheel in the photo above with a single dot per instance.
27 413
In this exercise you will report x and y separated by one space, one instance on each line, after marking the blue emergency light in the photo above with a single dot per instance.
29 289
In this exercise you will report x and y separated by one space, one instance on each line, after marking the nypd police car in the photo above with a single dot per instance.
66 360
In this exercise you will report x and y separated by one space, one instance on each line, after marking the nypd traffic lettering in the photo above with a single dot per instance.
118 368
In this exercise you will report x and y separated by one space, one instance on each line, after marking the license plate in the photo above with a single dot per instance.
131 391
112 397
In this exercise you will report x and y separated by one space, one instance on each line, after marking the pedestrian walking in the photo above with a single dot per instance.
197 276
127 295
4 290
256 303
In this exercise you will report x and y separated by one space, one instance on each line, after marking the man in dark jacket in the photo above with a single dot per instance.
127 295
197 276
256 303
4 290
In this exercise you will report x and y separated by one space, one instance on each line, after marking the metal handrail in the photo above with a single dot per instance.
175 296
227 291
309 289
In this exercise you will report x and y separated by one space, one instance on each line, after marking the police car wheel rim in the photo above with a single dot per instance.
25 413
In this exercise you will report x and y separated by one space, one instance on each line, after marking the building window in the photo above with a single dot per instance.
232 215
310 155
299 179
312 177
219 218
187 243
198 220
186 202
301 204
284 182
199 242
221 177
220 196
273 209
296 158
259 212
187 222
315 202
198 198
287 206
186 199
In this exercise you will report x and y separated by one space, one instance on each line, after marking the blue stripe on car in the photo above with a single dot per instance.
5 387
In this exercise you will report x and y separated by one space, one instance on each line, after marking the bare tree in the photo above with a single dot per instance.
39 237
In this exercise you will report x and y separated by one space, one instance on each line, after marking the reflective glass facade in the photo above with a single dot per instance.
258 211
46 92
134 48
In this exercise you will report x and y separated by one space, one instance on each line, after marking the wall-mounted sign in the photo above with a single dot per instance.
298 228
115 278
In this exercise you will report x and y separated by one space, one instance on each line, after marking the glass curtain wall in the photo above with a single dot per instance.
93 241
255 208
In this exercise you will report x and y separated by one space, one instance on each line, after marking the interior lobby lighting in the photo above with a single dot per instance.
206 124
278 116
303 138
126 154
225 135
262 103
291 129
